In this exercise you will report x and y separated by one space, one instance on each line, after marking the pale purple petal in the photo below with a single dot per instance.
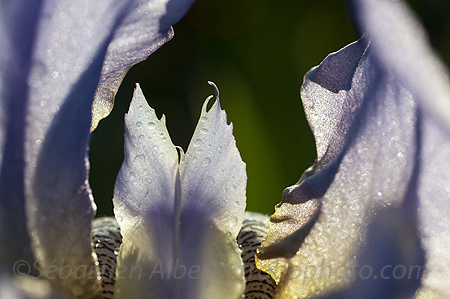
381 172
52 57
183 243
146 181
212 173
401 45
146 27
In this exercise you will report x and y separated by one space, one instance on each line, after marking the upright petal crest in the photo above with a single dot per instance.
179 217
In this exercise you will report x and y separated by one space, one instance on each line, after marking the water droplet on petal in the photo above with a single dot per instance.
139 159
138 124
233 187
141 138
197 142
132 175
207 161
119 218
210 181
151 124
204 130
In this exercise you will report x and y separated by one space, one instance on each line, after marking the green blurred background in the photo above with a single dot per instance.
257 52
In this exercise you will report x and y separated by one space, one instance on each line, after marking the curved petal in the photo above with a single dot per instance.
212 172
400 44
53 58
326 216
145 184
17 28
146 27
171 245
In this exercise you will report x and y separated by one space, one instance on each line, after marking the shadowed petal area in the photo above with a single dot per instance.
177 243
17 20
327 214
53 55
407 52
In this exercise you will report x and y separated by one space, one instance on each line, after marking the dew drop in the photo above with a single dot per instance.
164 139
43 104
204 130
233 187
197 142
119 218
210 181
207 161
155 148
132 175
138 124
141 138
161 155
140 107
203 119
139 159
151 124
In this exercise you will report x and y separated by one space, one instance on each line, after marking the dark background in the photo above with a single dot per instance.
257 52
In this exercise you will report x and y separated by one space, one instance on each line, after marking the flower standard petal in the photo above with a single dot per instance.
222 182
180 247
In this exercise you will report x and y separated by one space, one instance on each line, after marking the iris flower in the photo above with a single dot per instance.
370 218
377 195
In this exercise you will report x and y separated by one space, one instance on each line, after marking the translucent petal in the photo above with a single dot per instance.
326 215
53 55
145 28
164 230
401 45
213 174
146 181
